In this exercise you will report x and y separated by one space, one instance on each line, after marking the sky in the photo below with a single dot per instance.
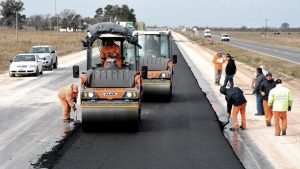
212 13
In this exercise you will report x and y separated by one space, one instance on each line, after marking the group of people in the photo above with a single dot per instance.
272 97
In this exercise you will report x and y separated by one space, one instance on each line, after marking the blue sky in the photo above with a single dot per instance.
218 13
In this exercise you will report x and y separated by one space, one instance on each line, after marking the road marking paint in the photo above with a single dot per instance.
265 54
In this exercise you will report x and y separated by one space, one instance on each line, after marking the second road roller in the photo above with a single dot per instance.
156 55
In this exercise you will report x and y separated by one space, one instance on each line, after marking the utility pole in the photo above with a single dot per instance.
56 25
17 38
266 27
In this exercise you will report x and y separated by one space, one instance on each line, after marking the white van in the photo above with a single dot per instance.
207 33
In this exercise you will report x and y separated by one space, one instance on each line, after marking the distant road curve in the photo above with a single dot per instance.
283 54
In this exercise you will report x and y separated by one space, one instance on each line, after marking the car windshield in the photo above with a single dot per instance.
39 50
154 46
225 35
24 58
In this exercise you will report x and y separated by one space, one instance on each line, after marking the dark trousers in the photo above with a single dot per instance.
228 78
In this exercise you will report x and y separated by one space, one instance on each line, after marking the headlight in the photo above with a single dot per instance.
165 74
31 66
91 94
129 94
48 57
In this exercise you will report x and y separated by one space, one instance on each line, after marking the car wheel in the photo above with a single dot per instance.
11 75
37 72
51 66
55 64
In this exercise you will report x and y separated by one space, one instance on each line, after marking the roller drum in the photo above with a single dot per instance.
154 87
100 114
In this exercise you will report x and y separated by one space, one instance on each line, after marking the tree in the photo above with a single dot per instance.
9 10
285 25
116 13
99 15
71 20
35 21
244 28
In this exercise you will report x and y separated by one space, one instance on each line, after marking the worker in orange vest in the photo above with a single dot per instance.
68 98
111 51
218 60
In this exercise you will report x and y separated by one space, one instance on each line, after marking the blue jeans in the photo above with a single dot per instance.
228 78
259 104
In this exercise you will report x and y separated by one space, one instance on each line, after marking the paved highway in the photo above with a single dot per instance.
284 54
182 133
30 122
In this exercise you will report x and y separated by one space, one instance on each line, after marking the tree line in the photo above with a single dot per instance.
12 9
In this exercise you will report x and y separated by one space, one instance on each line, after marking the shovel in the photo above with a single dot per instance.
75 120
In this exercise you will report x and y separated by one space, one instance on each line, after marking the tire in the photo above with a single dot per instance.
37 72
50 66
11 75
55 64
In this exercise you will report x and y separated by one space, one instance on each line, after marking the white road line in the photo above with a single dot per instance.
265 54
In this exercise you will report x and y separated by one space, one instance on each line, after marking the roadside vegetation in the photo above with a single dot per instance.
64 43
278 67
286 40
48 29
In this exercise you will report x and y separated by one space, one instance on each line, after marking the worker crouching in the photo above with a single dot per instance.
68 98
234 96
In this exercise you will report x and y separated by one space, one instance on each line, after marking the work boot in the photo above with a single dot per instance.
283 132
68 120
243 128
268 124
233 129
277 134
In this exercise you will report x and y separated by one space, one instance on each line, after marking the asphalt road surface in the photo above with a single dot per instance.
284 54
181 134
30 122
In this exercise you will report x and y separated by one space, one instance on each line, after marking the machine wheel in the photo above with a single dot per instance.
55 64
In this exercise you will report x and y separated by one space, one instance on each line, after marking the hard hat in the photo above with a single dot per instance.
75 88
220 52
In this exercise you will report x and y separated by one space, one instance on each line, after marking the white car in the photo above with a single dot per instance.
225 37
207 33
47 54
25 64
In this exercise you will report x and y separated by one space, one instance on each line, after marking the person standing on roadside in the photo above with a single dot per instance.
264 89
281 100
218 60
264 71
234 96
259 102
230 70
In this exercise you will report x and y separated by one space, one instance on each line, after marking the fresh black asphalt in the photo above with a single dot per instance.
179 134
